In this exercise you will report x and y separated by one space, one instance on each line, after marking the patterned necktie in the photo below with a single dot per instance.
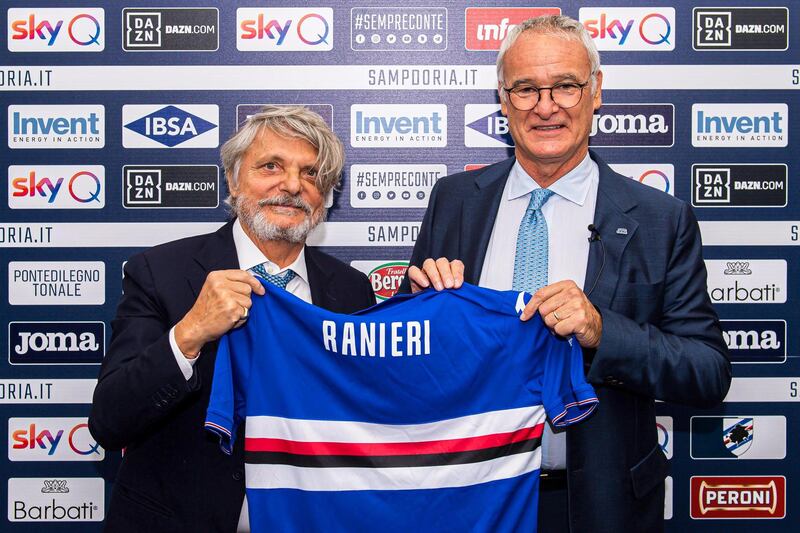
279 280
530 263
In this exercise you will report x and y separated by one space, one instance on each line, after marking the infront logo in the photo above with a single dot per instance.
486 27
643 28
56 30
284 29
738 497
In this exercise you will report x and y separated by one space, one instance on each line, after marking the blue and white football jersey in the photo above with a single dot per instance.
422 413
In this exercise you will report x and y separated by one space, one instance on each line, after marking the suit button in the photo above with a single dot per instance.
238 475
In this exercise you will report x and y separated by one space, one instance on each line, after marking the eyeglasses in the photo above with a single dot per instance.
525 97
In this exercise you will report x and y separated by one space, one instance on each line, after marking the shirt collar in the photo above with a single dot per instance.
573 186
249 255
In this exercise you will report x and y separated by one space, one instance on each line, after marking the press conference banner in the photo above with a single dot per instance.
115 112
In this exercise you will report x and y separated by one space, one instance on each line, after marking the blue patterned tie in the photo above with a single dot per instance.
279 280
530 263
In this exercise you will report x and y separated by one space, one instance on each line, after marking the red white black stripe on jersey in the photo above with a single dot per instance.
339 455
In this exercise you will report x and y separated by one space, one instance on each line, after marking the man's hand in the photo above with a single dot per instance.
567 311
223 303
440 273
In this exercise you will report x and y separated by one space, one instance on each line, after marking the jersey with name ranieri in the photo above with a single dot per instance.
422 413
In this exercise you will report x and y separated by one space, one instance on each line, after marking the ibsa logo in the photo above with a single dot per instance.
747 281
755 341
56 126
629 28
56 500
398 126
486 126
486 27
740 125
738 437
285 29
633 125
738 497
52 439
170 126
657 176
56 342
56 30
56 187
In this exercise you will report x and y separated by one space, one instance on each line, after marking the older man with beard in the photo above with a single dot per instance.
181 297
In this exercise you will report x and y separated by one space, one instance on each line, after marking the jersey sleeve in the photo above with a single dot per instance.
566 395
224 406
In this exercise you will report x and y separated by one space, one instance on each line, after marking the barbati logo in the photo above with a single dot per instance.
633 125
747 281
56 500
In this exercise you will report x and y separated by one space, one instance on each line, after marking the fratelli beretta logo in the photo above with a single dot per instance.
170 126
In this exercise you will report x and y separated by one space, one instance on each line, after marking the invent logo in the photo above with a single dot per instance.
486 27
398 126
740 125
60 343
630 28
56 30
284 29
52 439
742 497
486 126
56 126
645 125
170 126
56 187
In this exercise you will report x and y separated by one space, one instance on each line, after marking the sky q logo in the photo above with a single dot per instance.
739 497
56 126
738 437
740 125
285 29
755 341
486 27
52 439
56 30
398 126
170 126
486 126
657 176
665 440
623 28
56 187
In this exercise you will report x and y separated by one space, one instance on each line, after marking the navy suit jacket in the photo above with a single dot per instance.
661 338
174 477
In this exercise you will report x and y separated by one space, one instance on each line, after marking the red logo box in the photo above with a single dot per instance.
738 497
486 27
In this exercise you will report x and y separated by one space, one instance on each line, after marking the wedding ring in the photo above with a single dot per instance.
245 314
555 314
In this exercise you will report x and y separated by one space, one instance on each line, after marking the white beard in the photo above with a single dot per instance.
252 215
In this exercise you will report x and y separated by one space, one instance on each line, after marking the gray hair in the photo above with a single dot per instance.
288 121
556 25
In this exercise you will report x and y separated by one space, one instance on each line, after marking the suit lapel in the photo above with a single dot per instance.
321 282
218 253
616 228
478 213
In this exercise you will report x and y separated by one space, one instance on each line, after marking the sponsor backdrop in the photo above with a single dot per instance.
114 114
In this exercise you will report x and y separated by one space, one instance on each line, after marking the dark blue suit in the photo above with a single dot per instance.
661 337
174 477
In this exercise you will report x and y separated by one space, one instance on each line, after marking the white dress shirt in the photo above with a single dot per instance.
249 256
568 212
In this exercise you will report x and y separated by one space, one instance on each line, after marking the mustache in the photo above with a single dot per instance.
285 199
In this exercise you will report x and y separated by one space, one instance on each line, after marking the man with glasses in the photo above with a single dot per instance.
612 262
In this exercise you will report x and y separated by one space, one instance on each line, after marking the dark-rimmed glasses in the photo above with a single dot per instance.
524 97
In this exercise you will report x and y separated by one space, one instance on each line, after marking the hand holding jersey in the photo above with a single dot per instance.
223 303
